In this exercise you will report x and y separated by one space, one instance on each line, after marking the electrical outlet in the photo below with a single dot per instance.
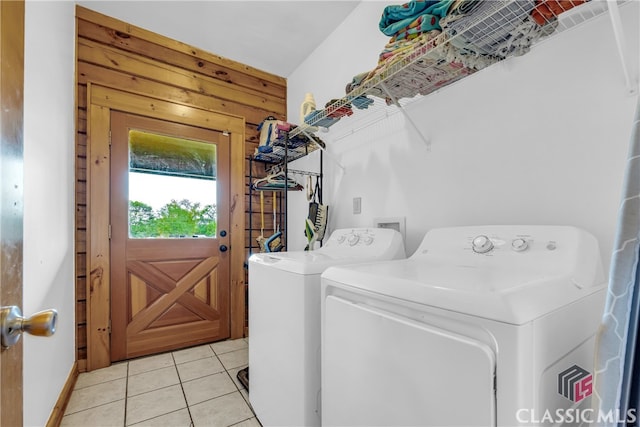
357 205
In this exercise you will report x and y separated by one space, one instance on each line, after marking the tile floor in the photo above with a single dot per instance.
192 387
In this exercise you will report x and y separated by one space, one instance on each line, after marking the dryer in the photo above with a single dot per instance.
284 321
481 326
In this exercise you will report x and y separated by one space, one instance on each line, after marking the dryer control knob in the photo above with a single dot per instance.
353 239
482 244
520 245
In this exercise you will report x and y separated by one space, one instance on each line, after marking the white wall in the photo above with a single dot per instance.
49 140
538 139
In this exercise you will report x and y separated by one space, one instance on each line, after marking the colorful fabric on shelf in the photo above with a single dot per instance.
335 111
435 43
271 130
361 102
421 24
431 71
401 18
395 51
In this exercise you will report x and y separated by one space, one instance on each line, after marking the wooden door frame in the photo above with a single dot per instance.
11 218
100 101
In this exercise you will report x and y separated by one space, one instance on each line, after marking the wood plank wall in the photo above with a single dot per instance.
113 53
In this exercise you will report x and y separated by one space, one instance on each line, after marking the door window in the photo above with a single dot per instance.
172 187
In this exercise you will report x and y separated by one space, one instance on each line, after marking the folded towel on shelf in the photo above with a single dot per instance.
395 52
337 111
398 18
421 24
361 102
546 10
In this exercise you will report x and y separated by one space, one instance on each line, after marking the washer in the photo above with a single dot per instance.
284 321
482 326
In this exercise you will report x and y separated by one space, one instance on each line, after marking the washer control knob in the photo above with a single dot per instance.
353 239
519 245
368 240
341 238
482 244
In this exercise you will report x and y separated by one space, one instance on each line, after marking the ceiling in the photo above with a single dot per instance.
274 36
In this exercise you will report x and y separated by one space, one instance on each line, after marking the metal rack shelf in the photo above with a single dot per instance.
285 151
426 67
289 149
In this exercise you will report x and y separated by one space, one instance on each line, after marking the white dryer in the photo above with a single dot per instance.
482 326
284 321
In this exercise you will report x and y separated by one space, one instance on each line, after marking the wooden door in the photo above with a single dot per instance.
11 196
169 290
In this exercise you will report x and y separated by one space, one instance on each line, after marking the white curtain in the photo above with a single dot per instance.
617 379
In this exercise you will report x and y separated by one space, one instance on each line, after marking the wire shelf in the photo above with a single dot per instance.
296 147
496 31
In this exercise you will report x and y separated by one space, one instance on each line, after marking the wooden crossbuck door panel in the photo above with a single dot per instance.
170 289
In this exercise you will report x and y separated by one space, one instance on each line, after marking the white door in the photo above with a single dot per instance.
380 369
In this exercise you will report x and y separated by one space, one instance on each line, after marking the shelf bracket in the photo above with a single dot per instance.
426 140
616 22
330 155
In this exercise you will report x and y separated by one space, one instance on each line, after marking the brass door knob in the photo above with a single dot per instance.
12 324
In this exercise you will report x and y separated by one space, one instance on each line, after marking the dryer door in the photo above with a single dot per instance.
381 369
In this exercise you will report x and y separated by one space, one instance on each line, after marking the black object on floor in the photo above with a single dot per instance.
243 377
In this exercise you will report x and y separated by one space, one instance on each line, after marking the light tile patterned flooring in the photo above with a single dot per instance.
192 387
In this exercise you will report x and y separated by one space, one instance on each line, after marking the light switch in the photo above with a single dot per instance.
357 205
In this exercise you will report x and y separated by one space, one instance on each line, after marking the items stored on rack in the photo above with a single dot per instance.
275 139
276 180
316 222
467 36
434 43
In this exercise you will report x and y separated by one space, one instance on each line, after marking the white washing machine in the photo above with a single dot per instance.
482 326
284 321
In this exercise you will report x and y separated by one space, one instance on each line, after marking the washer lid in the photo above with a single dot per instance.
313 262
505 284
344 246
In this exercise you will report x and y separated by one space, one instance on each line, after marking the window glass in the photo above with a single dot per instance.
172 187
